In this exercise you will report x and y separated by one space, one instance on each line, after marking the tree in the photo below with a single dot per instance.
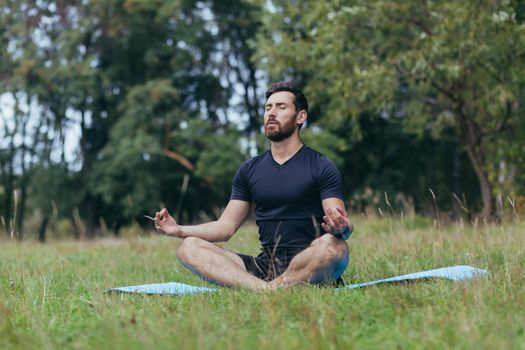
18 70
443 66
162 61
238 23
91 65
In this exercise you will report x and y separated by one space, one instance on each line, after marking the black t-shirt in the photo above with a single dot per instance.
288 196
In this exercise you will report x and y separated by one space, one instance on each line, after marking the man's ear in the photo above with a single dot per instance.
302 116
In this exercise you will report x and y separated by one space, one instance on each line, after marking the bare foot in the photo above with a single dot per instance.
284 282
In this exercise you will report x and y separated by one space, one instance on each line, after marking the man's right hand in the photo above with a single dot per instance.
166 224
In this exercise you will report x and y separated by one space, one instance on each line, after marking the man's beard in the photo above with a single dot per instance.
282 132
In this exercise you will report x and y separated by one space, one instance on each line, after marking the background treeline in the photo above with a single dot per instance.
413 100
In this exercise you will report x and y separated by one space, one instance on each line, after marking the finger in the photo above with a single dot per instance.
342 221
164 213
339 218
334 215
325 227
328 221
341 211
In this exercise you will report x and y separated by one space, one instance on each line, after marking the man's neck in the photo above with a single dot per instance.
285 149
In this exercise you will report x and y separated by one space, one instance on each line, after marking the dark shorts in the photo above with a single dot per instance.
269 265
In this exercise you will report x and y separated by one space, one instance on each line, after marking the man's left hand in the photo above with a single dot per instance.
336 222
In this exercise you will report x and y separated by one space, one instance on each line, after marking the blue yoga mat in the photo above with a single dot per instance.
454 273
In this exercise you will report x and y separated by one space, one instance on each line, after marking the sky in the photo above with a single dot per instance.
7 105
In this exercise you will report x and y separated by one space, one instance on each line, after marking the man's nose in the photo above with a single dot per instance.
270 113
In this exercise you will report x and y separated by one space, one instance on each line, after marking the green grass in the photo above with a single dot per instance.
52 296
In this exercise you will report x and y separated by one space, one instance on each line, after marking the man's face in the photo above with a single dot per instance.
280 116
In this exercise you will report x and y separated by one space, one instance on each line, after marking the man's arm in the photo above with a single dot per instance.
214 231
335 219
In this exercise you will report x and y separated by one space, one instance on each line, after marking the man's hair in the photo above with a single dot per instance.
300 101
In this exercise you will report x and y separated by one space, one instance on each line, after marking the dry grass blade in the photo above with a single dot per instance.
461 205
437 222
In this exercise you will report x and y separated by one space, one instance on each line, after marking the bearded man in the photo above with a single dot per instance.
299 210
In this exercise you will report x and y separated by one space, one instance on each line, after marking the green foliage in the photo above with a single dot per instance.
440 66
48 192
123 178
215 153
128 73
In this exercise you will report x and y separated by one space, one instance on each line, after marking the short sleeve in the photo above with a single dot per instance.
240 188
329 178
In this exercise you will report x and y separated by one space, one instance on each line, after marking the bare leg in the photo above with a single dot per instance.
325 259
217 265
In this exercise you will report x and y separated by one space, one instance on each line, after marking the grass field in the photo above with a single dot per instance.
52 296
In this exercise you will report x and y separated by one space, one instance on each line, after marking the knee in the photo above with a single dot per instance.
187 248
335 249
331 258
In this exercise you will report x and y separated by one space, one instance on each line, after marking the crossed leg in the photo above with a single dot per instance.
325 259
216 265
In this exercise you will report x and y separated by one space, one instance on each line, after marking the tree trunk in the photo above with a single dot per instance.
9 189
20 213
472 140
42 230
456 186
484 184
